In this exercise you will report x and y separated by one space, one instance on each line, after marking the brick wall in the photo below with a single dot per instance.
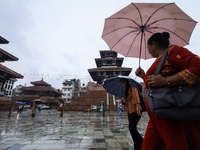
93 97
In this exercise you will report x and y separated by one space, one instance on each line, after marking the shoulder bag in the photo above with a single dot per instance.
177 102
142 104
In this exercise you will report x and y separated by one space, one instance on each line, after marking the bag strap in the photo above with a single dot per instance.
157 71
161 62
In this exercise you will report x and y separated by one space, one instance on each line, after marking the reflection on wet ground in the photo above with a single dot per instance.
76 130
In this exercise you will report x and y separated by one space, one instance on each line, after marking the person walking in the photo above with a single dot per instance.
120 109
132 101
39 107
102 108
180 67
20 108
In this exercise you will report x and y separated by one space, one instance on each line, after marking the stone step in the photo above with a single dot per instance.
84 108
91 97
82 104
95 95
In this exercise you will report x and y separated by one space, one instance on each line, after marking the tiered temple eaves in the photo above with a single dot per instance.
6 73
109 65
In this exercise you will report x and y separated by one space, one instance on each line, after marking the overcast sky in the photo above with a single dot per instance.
59 39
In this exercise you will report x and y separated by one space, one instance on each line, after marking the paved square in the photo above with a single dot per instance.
76 130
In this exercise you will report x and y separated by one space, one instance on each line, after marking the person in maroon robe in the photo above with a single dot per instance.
180 67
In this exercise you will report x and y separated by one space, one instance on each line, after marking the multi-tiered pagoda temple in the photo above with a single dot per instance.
6 73
109 65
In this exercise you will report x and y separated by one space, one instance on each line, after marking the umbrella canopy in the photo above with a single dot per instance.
37 100
113 85
128 30
19 103
118 100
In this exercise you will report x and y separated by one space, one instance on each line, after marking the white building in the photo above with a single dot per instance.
17 90
8 87
70 89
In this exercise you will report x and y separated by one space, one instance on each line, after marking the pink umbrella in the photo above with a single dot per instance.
128 30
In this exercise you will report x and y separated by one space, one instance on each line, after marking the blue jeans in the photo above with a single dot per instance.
120 111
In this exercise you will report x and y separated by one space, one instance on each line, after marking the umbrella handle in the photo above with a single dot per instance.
139 73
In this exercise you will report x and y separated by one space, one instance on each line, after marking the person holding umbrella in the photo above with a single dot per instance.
120 109
180 67
132 101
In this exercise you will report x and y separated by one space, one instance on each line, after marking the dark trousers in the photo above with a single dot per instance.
133 119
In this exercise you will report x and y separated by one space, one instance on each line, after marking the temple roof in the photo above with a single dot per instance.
107 53
8 73
47 89
98 74
3 41
109 69
108 66
109 62
5 56
31 88
40 83
39 89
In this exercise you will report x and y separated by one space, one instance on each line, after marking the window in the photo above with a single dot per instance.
69 89
64 94
114 73
68 94
1 84
109 54
69 84
65 89
99 74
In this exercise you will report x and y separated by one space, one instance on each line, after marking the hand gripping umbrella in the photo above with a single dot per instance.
128 30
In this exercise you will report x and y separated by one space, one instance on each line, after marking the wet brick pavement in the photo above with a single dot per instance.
74 131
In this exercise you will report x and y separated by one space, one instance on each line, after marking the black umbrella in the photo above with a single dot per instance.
113 85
